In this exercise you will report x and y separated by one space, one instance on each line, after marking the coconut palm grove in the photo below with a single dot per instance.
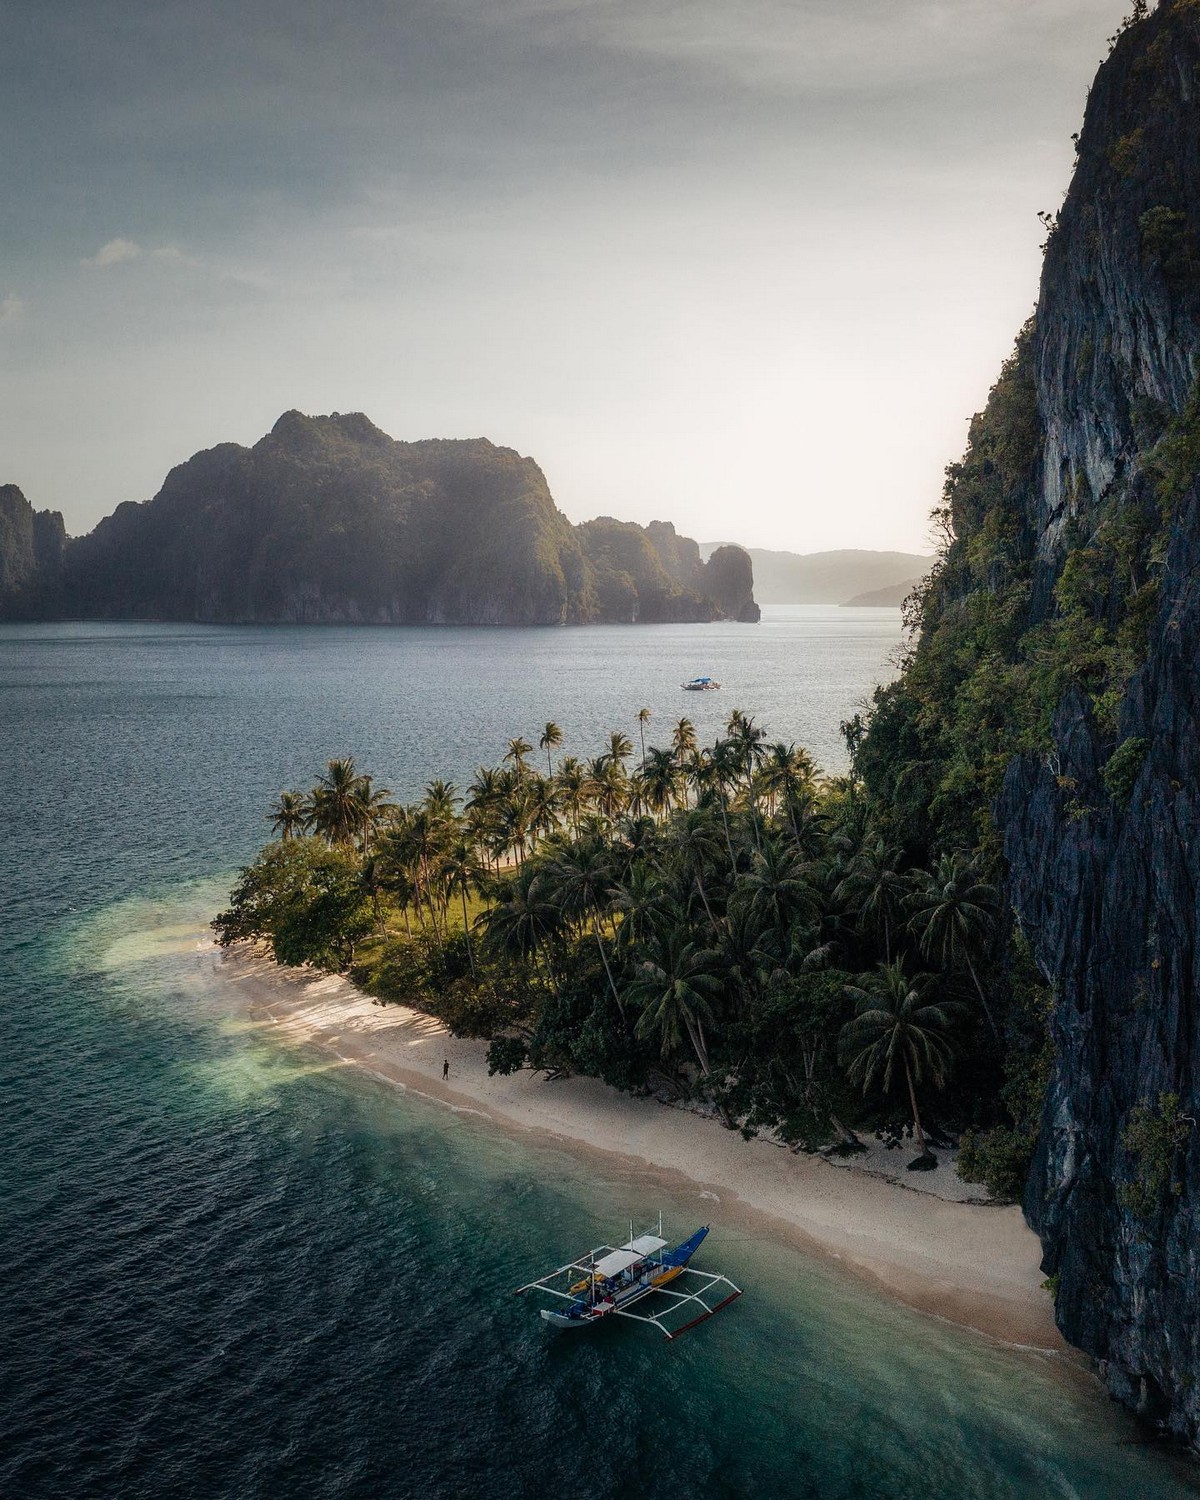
720 925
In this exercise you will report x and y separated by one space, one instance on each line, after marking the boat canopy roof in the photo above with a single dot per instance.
645 1244
615 1262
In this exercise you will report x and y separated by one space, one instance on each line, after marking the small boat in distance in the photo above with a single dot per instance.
608 1280
701 685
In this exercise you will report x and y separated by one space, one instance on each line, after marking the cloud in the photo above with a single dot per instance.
10 307
117 251
113 253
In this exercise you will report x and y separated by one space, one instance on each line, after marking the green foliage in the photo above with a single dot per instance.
303 897
1125 154
1123 767
1168 237
688 919
999 1158
1151 1138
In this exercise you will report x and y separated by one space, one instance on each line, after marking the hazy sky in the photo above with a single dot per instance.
746 265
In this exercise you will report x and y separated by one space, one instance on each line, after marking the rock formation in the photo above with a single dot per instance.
1051 708
327 519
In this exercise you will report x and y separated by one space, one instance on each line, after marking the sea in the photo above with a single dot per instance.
229 1269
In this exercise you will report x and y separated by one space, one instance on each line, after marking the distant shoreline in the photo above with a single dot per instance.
975 1266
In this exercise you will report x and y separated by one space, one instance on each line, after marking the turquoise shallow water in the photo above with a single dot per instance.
234 1270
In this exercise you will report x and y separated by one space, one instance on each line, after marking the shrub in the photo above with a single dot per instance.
999 1158
1151 1139
1123 768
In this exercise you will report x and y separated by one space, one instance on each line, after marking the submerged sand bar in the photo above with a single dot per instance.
976 1265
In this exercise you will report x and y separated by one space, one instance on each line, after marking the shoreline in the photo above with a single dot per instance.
975 1265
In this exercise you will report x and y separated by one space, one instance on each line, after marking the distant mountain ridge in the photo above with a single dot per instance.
891 597
838 577
328 519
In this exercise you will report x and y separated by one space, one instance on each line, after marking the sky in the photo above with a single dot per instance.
744 265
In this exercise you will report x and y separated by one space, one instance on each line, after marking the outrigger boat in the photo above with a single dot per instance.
701 685
607 1281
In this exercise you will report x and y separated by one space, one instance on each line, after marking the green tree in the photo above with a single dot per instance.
460 869
336 802
643 718
874 890
550 739
290 814
952 914
582 879
674 990
895 1026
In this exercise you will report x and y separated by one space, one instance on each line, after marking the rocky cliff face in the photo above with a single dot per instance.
1052 706
1105 868
31 553
328 519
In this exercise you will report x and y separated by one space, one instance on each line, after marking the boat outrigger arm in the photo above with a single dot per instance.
609 1280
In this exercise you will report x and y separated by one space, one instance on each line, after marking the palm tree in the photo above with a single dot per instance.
660 776
460 870
893 1023
336 806
609 786
542 801
874 889
289 814
643 718
683 739
673 990
788 774
643 906
952 914
523 919
777 891
517 750
374 808
698 846
550 739
724 768
573 790
441 801
620 747
583 879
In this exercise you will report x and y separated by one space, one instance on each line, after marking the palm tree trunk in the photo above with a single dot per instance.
704 898
604 960
912 1094
467 931
987 1010
725 824
696 1030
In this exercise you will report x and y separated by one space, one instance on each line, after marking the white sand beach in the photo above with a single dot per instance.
973 1264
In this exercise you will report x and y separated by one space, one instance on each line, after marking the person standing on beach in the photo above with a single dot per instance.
445 1068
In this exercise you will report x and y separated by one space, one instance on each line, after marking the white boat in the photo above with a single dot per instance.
701 685
608 1280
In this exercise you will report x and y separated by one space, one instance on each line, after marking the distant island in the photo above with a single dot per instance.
890 597
853 576
329 520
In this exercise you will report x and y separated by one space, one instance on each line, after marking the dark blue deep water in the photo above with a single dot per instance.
231 1270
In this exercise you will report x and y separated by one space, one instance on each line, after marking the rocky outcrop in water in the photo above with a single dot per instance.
32 544
327 519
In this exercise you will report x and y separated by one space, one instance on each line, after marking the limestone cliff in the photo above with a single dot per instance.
31 552
327 519
1051 710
